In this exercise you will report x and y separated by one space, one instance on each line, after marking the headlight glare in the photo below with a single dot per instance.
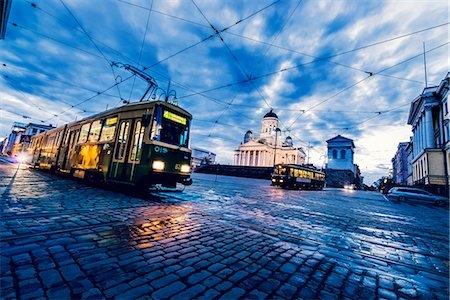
185 169
158 165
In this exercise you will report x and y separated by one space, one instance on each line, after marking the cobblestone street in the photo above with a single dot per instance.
223 237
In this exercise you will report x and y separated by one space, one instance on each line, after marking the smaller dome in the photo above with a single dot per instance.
271 114
248 136
289 141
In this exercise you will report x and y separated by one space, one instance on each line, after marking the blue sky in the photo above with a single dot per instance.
52 64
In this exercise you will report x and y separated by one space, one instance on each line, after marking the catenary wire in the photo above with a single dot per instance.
142 47
94 43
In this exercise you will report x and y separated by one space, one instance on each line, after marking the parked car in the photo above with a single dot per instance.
403 194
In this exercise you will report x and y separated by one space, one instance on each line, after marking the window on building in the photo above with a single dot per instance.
34 131
342 154
446 108
335 153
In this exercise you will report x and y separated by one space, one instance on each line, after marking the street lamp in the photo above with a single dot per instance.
275 151
167 93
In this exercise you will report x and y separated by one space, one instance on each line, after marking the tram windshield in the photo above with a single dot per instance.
170 127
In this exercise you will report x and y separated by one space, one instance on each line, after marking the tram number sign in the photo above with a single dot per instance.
174 117
161 149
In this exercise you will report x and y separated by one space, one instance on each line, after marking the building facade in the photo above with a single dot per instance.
340 152
429 119
400 165
23 138
268 148
340 169
409 152
19 138
16 129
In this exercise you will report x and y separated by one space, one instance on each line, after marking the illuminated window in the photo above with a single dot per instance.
84 133
122 140
109 127
94 133
137 142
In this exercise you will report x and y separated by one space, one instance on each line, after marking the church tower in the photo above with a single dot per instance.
268 126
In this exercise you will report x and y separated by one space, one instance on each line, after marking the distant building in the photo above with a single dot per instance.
409 152
400 165
268 148
11 140
202 157
19 138
340 169
23 138
429 118
340 154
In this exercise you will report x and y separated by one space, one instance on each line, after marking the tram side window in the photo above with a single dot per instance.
109 127
94 133
84 133
122 140
137 142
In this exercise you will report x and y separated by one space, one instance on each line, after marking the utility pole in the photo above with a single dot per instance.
425 65
275 151
309 148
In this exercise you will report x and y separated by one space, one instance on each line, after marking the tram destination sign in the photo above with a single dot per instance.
174 117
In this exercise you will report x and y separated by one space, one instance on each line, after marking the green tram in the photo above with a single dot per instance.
297 177
139 144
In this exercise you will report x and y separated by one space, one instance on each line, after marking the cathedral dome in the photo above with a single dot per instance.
271 114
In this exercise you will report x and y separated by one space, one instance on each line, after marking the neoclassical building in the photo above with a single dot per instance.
268 148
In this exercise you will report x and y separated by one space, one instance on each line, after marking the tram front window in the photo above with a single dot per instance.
171 128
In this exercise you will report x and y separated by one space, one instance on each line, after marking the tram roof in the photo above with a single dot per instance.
302 167
123 108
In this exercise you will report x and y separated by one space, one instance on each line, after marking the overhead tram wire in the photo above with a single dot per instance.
142 47
92 97
95 45
27 97
362 80
52 78
218 33
207 26
20 115
310 62
211 36
301 53
35 6
373 117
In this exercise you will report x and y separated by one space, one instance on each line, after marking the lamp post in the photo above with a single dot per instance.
275 151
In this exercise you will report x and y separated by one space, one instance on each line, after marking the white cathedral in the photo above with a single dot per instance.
268 148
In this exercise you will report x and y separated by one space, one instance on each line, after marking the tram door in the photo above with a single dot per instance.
127 153
68 157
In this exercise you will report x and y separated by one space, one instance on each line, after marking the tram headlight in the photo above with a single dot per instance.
281 180
185 169
158 165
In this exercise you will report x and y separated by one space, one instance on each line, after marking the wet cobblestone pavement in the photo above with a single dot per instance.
223 237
